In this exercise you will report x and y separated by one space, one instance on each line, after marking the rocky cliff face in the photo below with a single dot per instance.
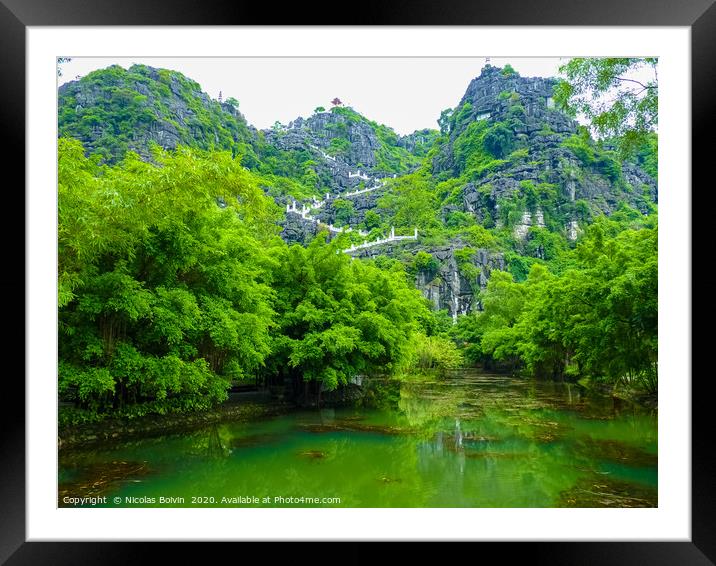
353 158
543 147
297 231
452 285
573 181
361 204
325 128
449 287
349 150
546 174
512 161
494 96
115 110
419 142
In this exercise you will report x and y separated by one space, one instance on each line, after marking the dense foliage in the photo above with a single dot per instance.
596 319
173 284
339 318
391 157
115 110
619 96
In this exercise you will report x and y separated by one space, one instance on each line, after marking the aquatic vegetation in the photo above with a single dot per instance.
490 441
101 478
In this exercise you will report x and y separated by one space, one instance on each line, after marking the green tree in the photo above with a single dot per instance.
372 220
411 202
426 261
164 297
338 318
597 319
432 353
444 121
344 211
614 95
499 140
490 334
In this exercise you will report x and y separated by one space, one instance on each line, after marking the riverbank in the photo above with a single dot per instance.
241 407
628 394
635 396
238 409
246 407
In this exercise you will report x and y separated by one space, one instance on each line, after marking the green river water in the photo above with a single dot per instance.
465 440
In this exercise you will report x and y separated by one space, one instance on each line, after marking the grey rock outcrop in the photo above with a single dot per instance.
447 286
141 106
320 129
495 97
358 151
296 231
419 142
540 131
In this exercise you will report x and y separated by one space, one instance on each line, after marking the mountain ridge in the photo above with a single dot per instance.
508 180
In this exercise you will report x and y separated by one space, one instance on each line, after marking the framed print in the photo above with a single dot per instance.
393 282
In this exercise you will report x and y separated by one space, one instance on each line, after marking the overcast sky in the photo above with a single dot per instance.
406 94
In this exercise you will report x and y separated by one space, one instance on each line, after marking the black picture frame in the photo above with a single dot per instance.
17 15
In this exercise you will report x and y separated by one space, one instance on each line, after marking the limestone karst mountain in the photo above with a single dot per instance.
115 110
507 179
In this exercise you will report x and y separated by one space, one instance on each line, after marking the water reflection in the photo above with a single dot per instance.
468 440
215 448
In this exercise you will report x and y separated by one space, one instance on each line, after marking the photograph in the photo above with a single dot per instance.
357 282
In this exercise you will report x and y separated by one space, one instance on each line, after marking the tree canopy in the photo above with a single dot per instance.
619 96
173 284
596 319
